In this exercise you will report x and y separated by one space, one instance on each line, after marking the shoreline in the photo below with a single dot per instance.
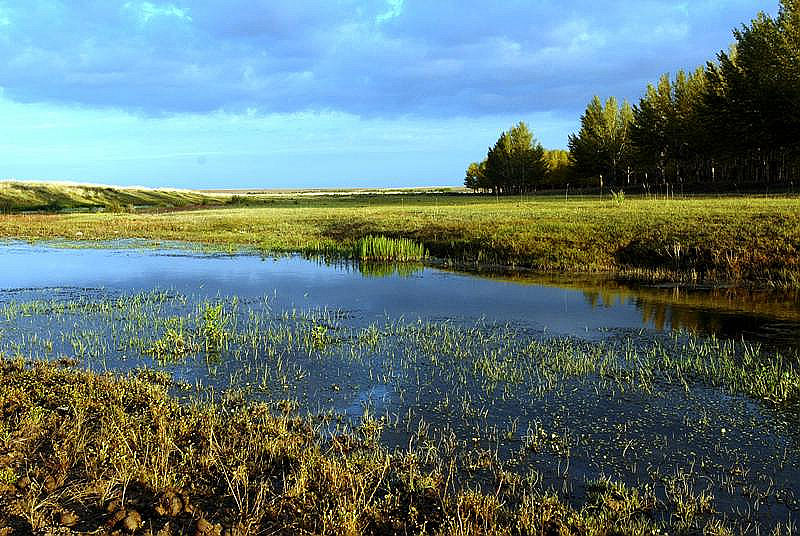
109 453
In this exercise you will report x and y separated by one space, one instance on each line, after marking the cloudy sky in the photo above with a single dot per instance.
305 93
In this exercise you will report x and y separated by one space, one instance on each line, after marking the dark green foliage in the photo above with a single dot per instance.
733 124
515 164
667 134
752 100
602 147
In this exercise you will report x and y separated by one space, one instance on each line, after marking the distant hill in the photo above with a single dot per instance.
58 197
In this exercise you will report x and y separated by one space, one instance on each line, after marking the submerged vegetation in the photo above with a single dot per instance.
229 415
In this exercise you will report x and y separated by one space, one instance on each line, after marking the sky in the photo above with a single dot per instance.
321 93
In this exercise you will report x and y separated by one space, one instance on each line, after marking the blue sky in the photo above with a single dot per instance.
320 93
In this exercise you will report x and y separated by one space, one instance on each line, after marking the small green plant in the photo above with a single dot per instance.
8 476
213 329
173 346
319 335
618 197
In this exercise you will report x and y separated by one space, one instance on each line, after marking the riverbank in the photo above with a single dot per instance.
85 452
744 240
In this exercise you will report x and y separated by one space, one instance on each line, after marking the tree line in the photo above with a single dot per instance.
733 123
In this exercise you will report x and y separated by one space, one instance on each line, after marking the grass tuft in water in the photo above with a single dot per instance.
382 248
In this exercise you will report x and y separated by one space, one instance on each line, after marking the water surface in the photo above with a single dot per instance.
587 307
555 379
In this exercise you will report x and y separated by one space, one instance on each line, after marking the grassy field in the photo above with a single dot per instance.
733 238
20 197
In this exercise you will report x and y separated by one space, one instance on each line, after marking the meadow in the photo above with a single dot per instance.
748 240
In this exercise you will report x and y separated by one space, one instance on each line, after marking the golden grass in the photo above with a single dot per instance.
735 238
81 452
29 196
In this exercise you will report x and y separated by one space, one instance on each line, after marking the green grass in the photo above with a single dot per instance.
733 238
381 248
54 197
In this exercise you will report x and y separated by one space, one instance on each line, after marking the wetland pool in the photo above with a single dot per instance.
691 393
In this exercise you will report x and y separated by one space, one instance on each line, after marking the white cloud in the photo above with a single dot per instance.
395 10
148 11
372 58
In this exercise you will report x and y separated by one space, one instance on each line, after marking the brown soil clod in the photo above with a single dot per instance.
203 527
132 522
113 506
68 519
172 504
52 483
116 517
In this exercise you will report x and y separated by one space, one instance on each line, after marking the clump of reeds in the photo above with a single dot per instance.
383 248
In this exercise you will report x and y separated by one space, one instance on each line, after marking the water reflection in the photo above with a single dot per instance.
373 268
588 307
765 315
773 316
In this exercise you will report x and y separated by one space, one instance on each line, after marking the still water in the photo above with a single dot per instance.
587 307
563 380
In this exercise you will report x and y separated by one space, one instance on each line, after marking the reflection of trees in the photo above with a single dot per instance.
772 314
664 315
725 312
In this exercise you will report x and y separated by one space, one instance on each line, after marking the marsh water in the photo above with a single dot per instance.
550 378
585 307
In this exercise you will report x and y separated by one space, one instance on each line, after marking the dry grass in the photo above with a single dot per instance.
81 452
